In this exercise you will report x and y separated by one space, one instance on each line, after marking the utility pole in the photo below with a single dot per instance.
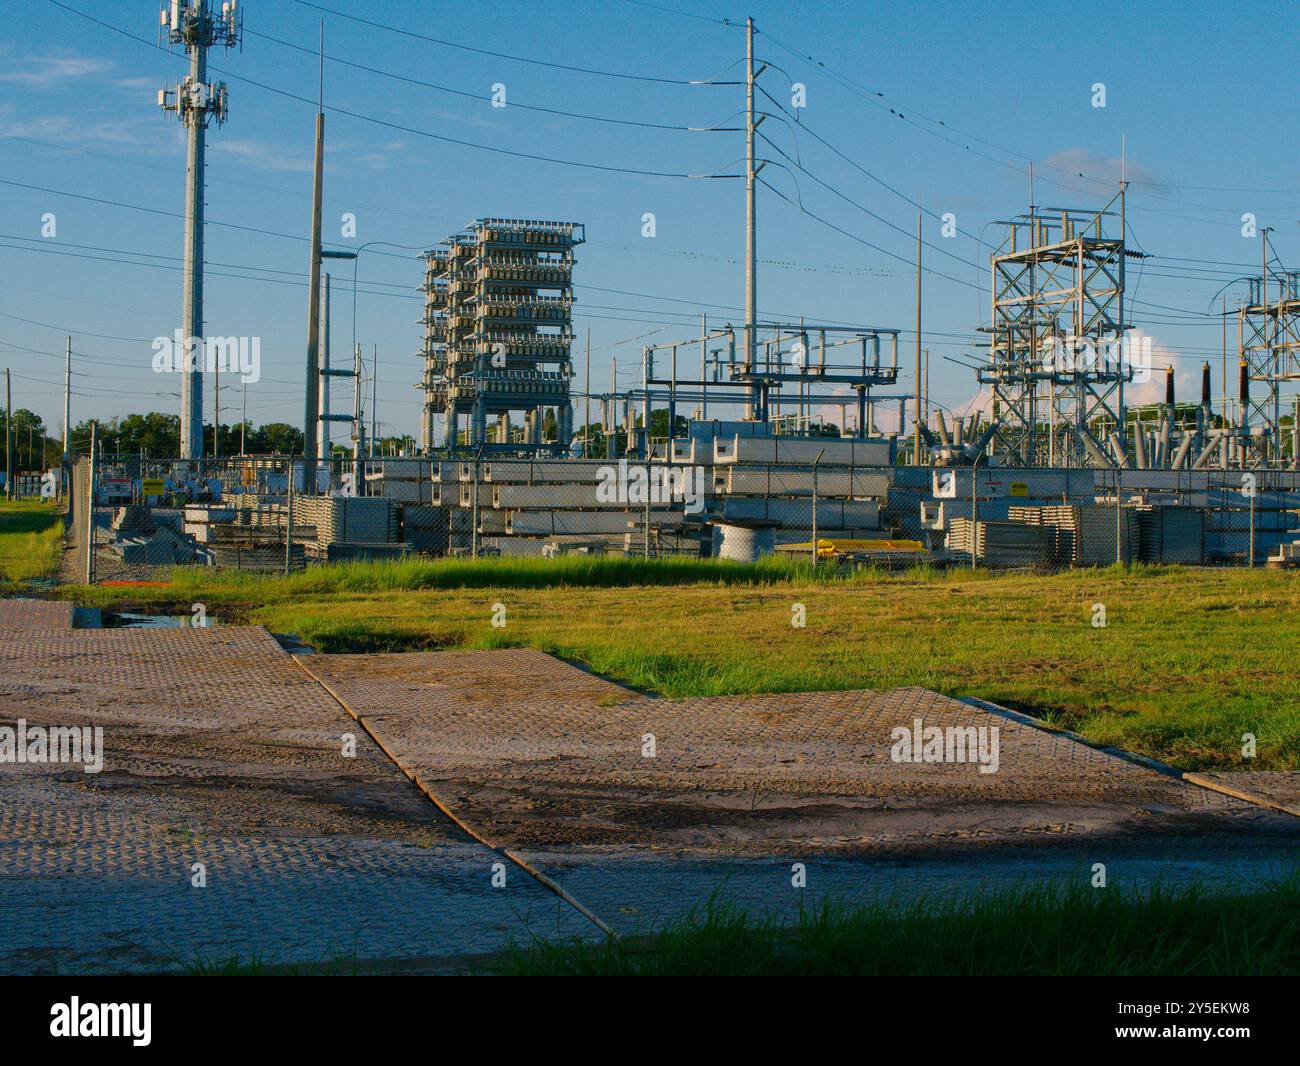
358 424
323 424
67 398
9 435
756 407
916 428
197 102
586 428
90 509
925 353
374 398
216 408
243 416
1223 305
312 412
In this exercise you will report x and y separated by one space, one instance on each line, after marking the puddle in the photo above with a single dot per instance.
131 620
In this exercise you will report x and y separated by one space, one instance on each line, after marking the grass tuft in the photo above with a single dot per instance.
1044 930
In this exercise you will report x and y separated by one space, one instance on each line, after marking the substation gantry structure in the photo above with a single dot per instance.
791 362
1268 332
1058 362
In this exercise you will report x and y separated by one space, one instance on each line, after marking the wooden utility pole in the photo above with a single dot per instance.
916 429
312 412
9 436
90 508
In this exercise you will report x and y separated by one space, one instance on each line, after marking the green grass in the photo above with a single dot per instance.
31 541
1044 930
1189 661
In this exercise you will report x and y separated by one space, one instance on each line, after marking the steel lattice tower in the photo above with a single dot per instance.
1058 364
1268 327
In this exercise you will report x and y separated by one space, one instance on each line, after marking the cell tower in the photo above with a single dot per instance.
197 102
1057 363
498 329
1269 330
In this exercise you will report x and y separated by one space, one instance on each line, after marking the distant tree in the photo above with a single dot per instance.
277 437
659 424
29 441
593 433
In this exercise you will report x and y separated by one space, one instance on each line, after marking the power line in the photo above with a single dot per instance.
481 98
624 76
798 205
316 104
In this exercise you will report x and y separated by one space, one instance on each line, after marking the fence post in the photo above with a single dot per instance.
814 503
646 553
1119 512
288 526
473 504
1250 558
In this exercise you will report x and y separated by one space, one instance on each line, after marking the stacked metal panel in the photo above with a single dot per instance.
1171 535
1085 533
354 519
1010 544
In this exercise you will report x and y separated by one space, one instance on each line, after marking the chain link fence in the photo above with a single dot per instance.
260 513
1189 518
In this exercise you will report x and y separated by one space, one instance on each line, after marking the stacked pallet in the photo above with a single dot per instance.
1084 534
1012 544
352 519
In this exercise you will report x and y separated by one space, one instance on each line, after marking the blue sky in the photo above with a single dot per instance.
947 105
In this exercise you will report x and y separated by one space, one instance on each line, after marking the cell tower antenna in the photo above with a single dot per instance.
197 102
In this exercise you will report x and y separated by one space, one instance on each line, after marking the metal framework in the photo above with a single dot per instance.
800 356
498 332
1268 328
1057 365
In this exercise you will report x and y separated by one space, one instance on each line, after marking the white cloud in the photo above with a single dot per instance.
1106 169
260 154
50 70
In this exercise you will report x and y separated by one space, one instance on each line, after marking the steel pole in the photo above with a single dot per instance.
751 225
191 436
312 411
